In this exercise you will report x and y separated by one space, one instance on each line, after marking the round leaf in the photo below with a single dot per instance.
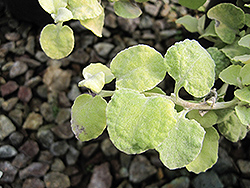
209 152
127 9
244 73
192 4
191 66
243 114
137 123
85 9
63 15
88 119
139 67
231 75
183 144
57 41
206 121
51 6
95 82
245 41
189 22
243 94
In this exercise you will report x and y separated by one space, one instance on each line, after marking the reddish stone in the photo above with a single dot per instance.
8 88
24 94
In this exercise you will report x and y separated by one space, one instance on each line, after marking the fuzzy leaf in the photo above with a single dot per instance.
231 75
209 152
88 117
243 94
228 20
95 82
63 15
94 24
245 41
192 4
137 123
57 41
242 58
51 6
127 9
183 144
232 129
191 66
139 67
189 22
206 121
243 114
85 9
245 74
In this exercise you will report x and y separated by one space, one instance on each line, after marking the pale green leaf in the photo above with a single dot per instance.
228 20
235 49
57 41
191 66
85 9
220 59
201 24
94 24
141 1
223 114
88 118
243 114
206 121
209 31
95 68
154 91
137 123
231 75
243 94
127 9
183 144
95 82
245 41
51 6
209 152
63 15
245 74
232 129
192 4
247 19
139 67
242 58
189 22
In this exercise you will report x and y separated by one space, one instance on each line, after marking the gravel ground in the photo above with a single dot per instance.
37 146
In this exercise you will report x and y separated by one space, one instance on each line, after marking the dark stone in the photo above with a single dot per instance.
45 137
72 155
33 183
9 172
56 180
24 94
88 150
207 180
16 138
20 160
63 131
29 148
6 127
7 151
35 169
46 157
59 148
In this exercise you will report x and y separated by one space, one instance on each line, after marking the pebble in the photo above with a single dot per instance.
128 25
33 183
47 112
33 81
18 69
229 180
79 56
181 182
8 88
72 155
24 94
63 100
103 48
6 127
73 92
56 180
33 121
146 22
101 177
59 148
207 180
45 156
244 167
9 104
16 116
42 91
57 165
140 169
89 150
63 115
41 56
30 148
12 36
35 169
9 172
111 20
16 138
108 148
153 9
7 151
45 137
30 46
21 160
63 131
